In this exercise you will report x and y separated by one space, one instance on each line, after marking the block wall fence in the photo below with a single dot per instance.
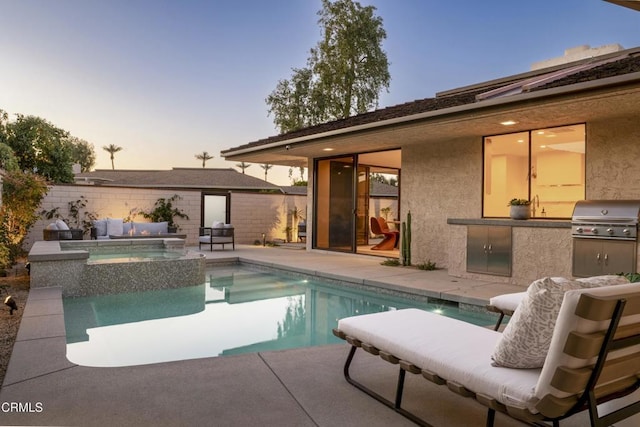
251 213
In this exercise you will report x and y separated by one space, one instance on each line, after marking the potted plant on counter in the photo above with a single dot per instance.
520 209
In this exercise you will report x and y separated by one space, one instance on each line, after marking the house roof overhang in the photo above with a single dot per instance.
631 4
600 99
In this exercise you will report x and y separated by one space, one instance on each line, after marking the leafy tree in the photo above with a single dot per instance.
82 153
22 193
8 160
204 156
243 166
301 182
345 72
266 168
112 149
384 179
4 118
292 102
41 147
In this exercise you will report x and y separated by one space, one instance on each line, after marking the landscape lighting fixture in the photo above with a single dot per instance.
11 303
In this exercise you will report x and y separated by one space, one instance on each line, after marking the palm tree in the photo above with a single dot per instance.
112 149
243 165
204 156
266 168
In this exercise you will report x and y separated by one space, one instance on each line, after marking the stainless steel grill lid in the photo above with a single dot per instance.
607 211
606 219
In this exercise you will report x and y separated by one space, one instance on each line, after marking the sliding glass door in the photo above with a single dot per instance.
335 204
349 190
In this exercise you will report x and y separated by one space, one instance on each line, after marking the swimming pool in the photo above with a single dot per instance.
238 310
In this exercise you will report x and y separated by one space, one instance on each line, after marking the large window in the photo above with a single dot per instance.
545 166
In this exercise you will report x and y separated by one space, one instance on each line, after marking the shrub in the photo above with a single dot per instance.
21 195
428 265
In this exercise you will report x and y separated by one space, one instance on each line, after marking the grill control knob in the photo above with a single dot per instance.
579 230
594 230
626 231
610 231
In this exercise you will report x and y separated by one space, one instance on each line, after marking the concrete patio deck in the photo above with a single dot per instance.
285 388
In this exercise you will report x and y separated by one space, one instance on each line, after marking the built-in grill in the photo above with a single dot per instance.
605 234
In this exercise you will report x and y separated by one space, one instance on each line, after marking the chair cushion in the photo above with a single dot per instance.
114 226
526 339
61 225
507 301
101 227
452 349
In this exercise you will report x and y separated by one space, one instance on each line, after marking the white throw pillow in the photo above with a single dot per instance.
526 339
61 225
114 227
52 226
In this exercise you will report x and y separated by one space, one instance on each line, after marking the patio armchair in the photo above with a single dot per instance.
302 231
390 240
222 234
590 362
59 230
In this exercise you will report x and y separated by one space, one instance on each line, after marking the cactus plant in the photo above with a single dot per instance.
406 240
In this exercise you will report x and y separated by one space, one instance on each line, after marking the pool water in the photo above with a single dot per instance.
238 310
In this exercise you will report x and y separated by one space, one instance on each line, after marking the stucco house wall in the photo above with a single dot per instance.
612 159
439 181
442 181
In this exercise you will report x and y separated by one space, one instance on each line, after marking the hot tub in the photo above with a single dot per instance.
102 267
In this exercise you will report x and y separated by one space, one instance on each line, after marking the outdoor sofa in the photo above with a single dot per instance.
116 228
569 347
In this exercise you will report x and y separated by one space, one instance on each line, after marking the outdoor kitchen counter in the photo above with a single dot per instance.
542 223
534 248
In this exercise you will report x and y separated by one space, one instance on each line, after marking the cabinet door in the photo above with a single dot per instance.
587 254
593 257
499 260
477 248
618 257
489 250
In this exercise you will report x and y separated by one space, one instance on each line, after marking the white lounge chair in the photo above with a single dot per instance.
593 357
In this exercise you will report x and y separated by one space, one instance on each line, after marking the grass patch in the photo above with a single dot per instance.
393 262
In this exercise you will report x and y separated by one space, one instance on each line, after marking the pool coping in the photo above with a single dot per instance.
40 346
171 393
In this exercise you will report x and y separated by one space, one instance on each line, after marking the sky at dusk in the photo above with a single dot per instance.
166 80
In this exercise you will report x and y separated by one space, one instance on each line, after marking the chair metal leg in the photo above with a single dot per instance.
499 322
491 417
399 388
